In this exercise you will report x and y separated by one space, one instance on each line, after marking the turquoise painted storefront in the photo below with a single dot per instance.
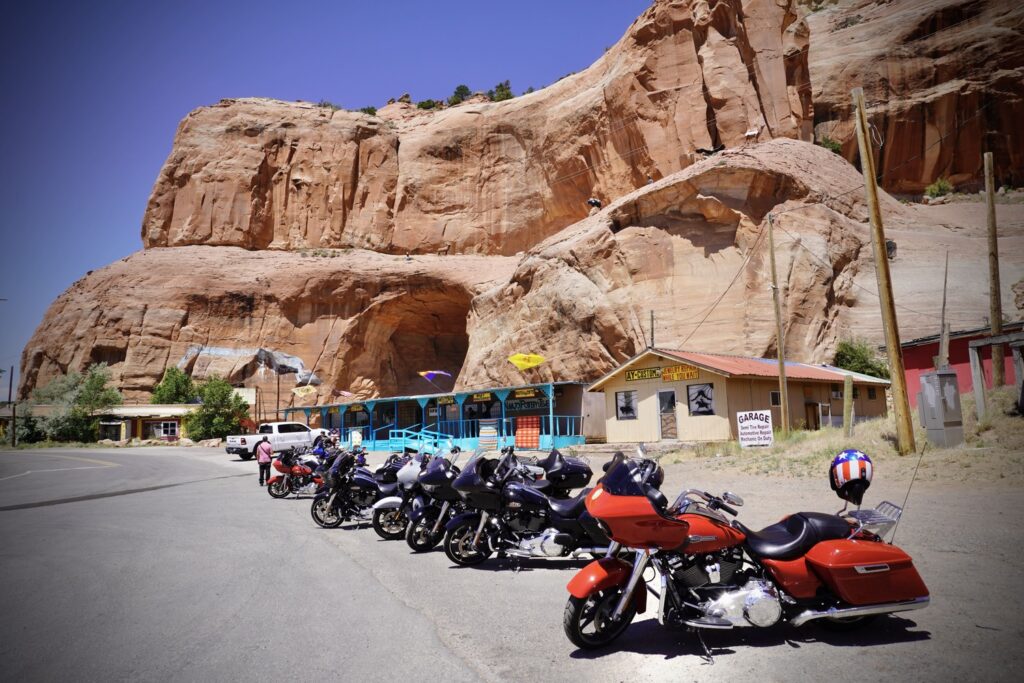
535 416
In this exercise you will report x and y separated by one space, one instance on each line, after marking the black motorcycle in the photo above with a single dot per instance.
348 490
443 502
511 515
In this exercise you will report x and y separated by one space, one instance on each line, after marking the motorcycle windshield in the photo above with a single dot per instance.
624 479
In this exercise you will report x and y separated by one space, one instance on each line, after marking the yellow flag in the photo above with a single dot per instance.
304 391
525 361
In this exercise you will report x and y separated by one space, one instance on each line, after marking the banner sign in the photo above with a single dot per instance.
642 373
518 405
356 408
482 398
446 401
676 373
525 393
755 428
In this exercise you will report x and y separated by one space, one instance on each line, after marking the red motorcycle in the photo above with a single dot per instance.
295 475
720 575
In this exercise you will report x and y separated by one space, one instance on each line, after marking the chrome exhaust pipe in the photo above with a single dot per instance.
867 610
593 551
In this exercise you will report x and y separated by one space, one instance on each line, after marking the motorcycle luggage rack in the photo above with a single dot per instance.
879 520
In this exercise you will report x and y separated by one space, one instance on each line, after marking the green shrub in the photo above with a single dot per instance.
939 188
858 356
830 144
372 111
220 414
327 104
428 104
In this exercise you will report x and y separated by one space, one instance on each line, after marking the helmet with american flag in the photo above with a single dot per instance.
850 475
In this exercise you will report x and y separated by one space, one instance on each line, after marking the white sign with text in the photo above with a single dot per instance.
755 428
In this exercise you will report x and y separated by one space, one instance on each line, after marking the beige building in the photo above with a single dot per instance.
663 394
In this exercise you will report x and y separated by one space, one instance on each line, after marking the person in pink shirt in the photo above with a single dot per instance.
264 453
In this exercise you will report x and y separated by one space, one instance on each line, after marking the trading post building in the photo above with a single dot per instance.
664 394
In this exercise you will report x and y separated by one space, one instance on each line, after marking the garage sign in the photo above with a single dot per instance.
642 373
755 428
677 373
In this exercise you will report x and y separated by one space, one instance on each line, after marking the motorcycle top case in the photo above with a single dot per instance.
866 572
574 474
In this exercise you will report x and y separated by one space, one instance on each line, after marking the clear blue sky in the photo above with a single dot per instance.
93 93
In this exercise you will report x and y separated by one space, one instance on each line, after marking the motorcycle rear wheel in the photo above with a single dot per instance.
390 524
587 621
277 490
418 536
458 545
323 516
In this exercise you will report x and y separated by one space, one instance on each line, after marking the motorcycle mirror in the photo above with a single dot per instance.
732 499
641 450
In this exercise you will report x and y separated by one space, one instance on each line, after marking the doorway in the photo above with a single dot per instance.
667 414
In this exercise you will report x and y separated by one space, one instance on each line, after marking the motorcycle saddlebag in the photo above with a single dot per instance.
866 572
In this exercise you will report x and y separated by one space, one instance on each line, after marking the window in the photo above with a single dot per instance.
775 399
161 430
625 405
266 429
292 428
836 391
872 393
701 399
856 393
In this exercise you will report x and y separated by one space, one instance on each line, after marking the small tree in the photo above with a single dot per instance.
858 356
78 401
372 111
220 414
461 94
428 104
501 92
175 387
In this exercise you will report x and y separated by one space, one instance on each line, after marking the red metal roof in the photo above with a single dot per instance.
742 366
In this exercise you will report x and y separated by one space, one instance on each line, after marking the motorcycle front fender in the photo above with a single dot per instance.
388 503
608 572
459 519
418 513
274 479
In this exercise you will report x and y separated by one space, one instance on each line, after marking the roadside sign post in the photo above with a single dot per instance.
755 428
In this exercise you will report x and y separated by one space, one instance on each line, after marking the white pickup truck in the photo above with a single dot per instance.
282 436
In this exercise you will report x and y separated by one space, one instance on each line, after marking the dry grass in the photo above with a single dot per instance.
993 450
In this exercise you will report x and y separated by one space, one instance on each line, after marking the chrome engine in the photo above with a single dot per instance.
541 545
755 604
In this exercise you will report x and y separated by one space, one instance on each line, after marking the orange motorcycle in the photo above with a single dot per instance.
717 574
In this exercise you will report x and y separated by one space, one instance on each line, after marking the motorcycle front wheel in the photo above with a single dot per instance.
588 621
418 536
323 515
389 524
277 489
458 545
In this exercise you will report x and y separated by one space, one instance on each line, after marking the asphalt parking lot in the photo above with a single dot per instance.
172 564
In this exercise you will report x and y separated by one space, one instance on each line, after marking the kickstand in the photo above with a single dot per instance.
707 652
516 565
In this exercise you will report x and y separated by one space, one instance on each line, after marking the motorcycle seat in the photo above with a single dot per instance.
570 507
793 536
553 459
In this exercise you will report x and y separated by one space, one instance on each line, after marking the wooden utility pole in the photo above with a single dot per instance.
652 328
277 413
780 334
901 405
848 406
994 297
